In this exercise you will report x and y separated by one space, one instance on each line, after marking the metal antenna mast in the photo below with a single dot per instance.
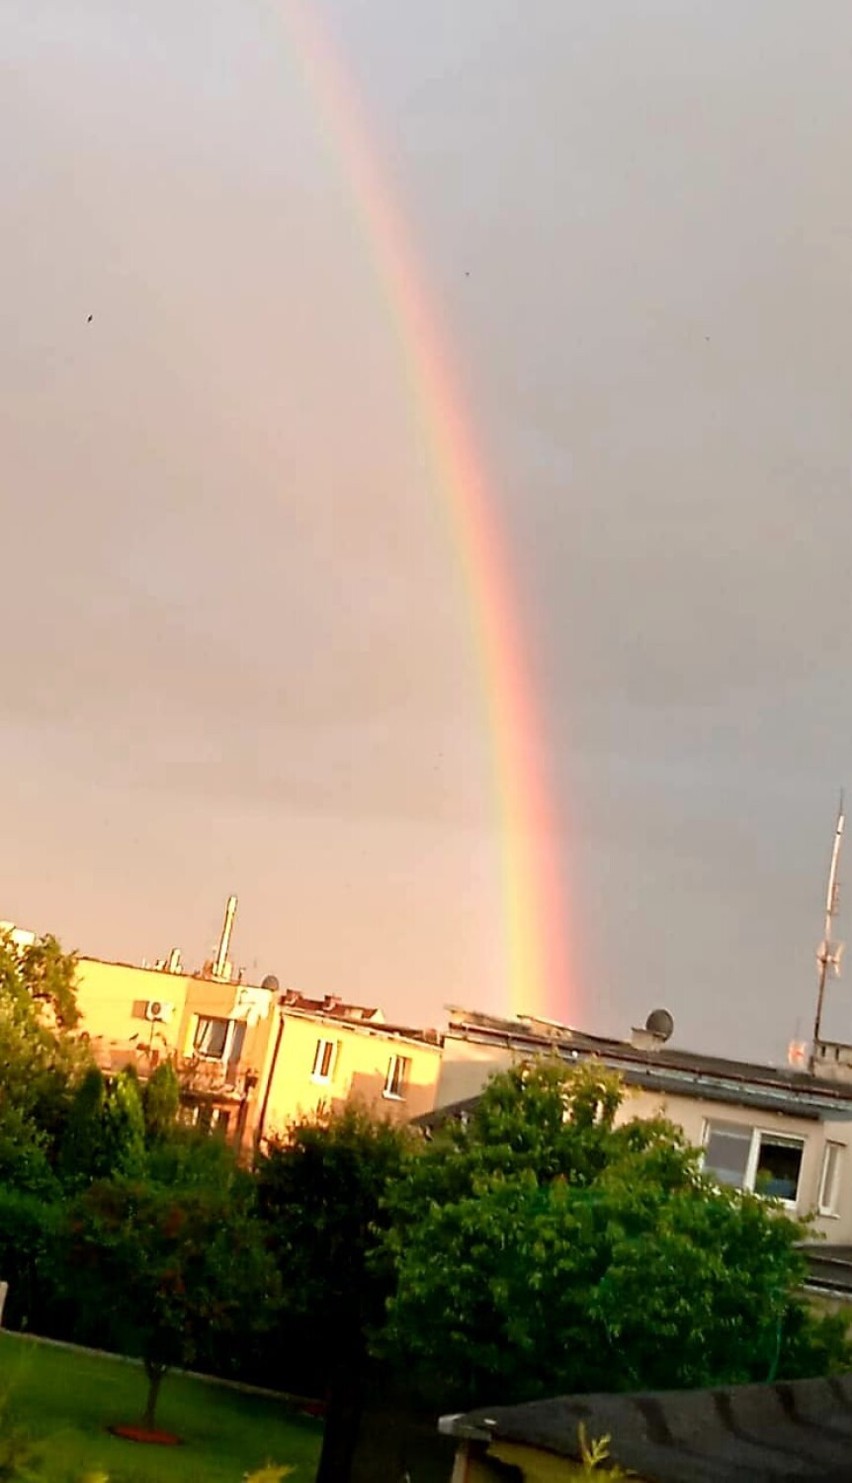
829 953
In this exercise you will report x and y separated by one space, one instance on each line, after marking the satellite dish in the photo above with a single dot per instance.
660 1024
271 983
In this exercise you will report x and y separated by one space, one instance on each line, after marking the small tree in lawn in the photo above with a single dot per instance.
171 1269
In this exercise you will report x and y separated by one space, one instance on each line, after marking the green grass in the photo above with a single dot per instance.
71 1398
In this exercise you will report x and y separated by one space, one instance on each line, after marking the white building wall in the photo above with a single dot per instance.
467 1065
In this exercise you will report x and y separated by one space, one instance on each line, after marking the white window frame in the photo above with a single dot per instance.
231 1031
397 1077
796 1140
317 1075
829 1178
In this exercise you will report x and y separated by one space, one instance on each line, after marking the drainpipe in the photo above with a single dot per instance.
261 1122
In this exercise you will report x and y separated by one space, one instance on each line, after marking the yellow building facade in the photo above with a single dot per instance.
252 1060
324 1059
128 1013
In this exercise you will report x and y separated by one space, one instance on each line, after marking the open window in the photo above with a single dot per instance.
752 1159
219 1039
210 1037
778 1166
396 1082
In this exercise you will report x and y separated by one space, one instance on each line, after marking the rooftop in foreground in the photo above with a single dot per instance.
734 1434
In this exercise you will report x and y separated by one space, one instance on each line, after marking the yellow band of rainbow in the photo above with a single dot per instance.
536 973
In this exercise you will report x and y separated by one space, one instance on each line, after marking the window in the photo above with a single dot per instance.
779 1164
745 1157
210 1037
727 1150
324 1059
397 1077
829 1182
219 1040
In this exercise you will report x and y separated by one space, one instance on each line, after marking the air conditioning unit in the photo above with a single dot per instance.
155 1009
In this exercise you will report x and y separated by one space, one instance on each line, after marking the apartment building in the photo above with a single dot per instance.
781 1131
253 1059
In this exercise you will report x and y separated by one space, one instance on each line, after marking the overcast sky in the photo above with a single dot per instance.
237 652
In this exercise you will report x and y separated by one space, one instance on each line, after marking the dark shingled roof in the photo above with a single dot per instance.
800 1430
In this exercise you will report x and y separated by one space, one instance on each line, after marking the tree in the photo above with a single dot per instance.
31 1257
161 1102
542 1249
124 1126
50 977
41 1060
323 1195
81 1149
104 1134
169 1270
542 1119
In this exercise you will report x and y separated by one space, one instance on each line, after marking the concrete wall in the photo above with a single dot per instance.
465 1068
692 1114
112 999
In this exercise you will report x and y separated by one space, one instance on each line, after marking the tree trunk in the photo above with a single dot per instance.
342 1423
155 1375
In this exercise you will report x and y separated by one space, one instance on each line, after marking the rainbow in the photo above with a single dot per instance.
537 978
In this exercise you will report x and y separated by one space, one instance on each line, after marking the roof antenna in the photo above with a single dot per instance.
829 953
221 967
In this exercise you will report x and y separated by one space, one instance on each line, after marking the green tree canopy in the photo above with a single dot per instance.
169 1270
41 1059
161 1102
541 1248
104 1134
324 1196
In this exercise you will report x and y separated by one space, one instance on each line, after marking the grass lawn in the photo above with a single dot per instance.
71 1398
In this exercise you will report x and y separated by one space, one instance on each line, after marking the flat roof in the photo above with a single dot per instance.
668 1069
